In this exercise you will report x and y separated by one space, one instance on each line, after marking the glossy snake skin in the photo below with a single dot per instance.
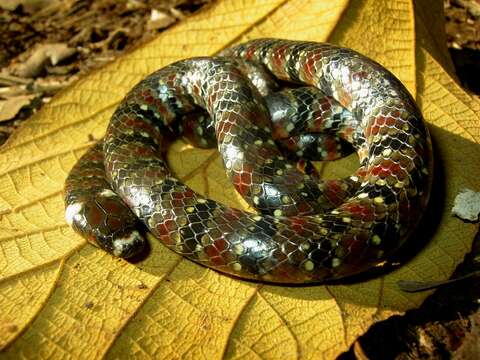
306 229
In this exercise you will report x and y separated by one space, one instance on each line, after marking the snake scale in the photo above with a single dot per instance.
250 103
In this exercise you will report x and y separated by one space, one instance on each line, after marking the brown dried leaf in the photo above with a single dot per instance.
29 6
43 55
11 106
159 20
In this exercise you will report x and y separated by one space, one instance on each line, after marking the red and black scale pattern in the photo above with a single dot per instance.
306 229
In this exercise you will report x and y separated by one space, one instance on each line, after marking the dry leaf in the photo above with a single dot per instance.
61 297
11 106
470 347
29 6
42 55
159 20
473 7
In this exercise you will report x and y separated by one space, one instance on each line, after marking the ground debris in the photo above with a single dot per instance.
463 40
41 57
470 348
467 205
45 45
10 107
445 326
159 20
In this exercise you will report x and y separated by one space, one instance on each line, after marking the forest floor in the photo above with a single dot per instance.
46 45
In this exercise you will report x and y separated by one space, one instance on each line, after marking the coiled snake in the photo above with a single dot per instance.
306 229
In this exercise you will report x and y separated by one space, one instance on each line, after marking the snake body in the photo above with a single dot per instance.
306 229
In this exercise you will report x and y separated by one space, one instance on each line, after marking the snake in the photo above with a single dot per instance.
271 107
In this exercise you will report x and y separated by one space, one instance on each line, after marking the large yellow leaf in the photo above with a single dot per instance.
61 297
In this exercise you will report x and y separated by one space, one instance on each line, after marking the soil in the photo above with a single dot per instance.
88 33
463 39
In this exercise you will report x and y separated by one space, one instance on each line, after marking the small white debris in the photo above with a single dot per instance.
467 205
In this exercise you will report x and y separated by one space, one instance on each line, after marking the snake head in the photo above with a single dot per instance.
106 222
